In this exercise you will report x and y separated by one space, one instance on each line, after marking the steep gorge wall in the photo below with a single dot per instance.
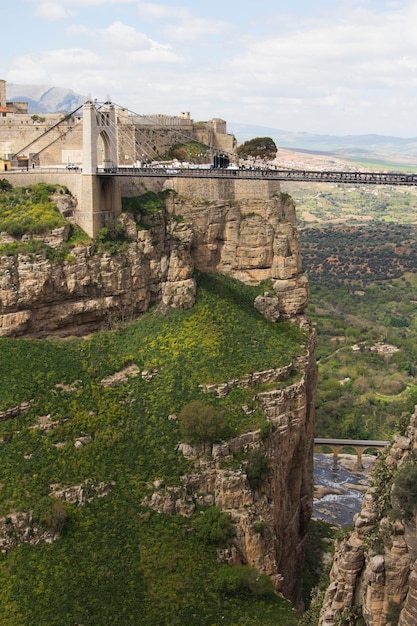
245 229
242 229
87 289
374 570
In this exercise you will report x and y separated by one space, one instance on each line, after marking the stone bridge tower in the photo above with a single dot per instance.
100 197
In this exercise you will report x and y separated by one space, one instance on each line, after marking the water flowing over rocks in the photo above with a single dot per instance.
375 566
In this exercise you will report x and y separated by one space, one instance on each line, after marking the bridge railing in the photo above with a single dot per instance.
355 178
325 176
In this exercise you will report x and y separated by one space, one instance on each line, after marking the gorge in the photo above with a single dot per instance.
237 229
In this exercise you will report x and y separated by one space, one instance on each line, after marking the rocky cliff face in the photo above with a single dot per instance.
374 572
90 288
270 517
244 230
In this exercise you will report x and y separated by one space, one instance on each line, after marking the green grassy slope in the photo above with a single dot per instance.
116 562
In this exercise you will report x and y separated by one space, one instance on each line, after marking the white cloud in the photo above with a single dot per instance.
120 38
192 28
159 11
53 11
350 68
329 66
67 4
182 24
58 67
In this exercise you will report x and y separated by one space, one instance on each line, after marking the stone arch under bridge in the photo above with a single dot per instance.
359 445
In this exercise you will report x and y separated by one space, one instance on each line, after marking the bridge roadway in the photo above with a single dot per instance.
359 445
310 176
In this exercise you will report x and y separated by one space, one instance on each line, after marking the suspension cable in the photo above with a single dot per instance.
64 119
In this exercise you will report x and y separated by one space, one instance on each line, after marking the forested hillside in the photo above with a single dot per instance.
359 253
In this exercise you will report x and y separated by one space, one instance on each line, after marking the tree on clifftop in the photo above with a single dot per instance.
262 147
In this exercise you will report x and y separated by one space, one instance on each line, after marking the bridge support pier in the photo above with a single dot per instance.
360 446
100 199
336 451
99 202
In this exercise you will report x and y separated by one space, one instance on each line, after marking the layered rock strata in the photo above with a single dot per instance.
88 289
271 519
375 568
245 229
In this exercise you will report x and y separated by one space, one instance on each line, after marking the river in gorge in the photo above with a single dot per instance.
339 493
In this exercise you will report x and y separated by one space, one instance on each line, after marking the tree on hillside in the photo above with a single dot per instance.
201 423
261 147
192 151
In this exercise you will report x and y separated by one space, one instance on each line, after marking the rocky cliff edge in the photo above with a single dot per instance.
232 227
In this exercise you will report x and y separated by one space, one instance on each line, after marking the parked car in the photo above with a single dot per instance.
71 166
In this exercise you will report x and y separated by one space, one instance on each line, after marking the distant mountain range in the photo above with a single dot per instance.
47 99
44 98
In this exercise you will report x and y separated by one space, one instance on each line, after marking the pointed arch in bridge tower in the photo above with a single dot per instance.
100 197
99 137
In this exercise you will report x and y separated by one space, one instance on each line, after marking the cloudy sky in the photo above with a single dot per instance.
321 66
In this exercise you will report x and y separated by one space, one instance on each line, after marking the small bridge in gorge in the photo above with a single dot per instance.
359 445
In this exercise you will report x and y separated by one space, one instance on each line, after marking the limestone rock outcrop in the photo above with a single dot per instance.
245 229
375 568
89 289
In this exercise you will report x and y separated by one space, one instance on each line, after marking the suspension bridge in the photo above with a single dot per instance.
96 181
306 176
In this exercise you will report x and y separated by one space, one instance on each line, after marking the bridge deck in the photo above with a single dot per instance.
303 176
368 443
320 176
